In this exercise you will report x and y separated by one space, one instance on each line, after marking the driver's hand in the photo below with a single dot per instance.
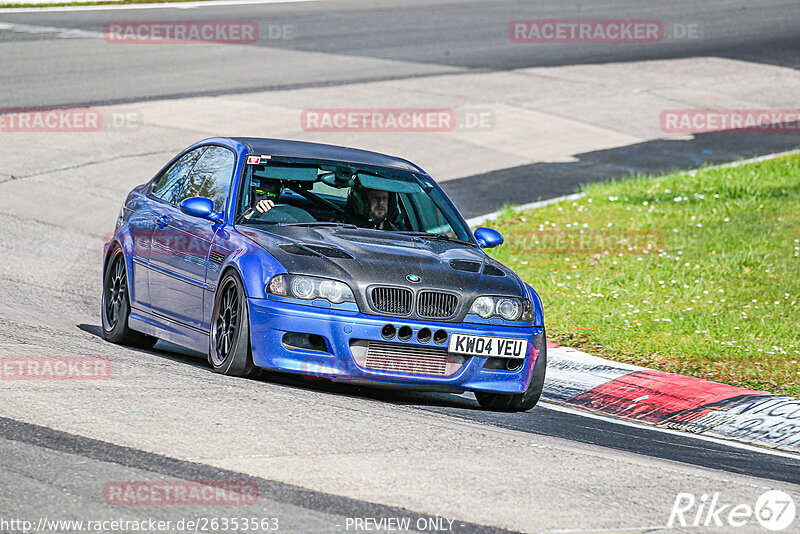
264 206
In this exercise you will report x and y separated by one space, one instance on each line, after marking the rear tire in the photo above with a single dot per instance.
521 402
229 350
116 307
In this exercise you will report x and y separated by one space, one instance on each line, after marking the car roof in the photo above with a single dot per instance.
302 149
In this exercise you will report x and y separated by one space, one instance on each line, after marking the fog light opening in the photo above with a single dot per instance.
405 333
298 340
388 331
440 337
424 335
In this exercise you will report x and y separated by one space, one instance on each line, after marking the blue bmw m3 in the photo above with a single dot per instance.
324 261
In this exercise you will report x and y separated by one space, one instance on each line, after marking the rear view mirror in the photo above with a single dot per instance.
488 237
201 207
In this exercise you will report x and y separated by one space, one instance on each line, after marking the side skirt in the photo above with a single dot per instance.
169 330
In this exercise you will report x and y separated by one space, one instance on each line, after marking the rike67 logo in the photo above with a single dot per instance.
774 510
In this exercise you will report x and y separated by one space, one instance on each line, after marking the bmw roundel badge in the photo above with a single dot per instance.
413 278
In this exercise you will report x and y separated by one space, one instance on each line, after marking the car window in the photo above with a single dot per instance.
413 205
425 215
321 188
210 177
168 185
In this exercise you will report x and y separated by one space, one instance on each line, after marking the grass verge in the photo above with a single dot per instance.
697 274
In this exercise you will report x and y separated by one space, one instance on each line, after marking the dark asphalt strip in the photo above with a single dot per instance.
546 421
487 192
638 440
269 489
248 90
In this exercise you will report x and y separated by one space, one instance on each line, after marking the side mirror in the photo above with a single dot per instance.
201 207
488 237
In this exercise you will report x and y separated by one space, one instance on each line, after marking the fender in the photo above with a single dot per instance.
538 309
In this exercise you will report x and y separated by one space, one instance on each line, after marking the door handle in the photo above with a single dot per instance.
162 221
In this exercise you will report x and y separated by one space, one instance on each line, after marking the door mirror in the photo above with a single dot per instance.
488 237
201 207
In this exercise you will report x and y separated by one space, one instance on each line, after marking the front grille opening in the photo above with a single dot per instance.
406 359
436 305
424 335
298 340
405 333
440 337
392 300
388 331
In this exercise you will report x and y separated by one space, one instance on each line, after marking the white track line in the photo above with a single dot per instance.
610 530
481 219
170 5
61 33
719 441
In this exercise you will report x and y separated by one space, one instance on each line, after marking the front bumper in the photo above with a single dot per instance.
271 320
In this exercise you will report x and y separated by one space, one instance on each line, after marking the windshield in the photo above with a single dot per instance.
322 194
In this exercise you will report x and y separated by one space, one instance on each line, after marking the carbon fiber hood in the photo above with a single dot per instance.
365 258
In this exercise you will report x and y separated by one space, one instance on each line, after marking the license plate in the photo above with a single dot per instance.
498 347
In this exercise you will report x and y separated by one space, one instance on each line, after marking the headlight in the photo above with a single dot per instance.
303 288
510 309
310 288
333 291
483 306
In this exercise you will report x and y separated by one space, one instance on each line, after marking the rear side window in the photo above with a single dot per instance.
168 186
211 177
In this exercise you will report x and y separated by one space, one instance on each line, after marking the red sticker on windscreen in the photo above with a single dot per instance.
253 160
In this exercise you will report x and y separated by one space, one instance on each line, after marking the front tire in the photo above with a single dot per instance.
229 343
116 305
521 402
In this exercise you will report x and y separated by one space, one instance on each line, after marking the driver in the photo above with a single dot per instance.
374 208
263 195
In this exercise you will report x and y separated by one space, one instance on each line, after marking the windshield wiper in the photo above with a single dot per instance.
321 224
438 237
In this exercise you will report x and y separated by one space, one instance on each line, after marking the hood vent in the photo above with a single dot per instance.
330 252
466 265
298 250
302 249
491 270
